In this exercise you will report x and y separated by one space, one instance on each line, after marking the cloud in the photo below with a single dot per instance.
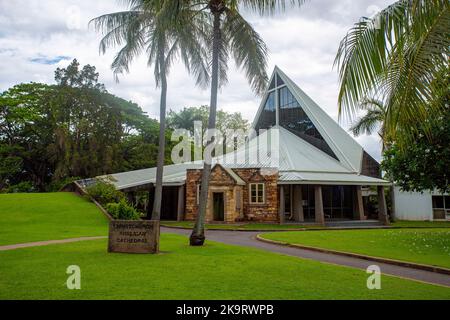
36 37
47 60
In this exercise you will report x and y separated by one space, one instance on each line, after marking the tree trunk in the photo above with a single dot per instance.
156 214
198 234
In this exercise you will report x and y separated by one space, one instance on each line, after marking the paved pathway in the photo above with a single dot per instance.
248 239
46 243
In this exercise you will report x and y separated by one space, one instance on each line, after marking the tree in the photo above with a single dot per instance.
401 55
424 164
185 118
52 133
374 118
231 35
161 29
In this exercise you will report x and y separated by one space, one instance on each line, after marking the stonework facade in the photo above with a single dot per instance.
234 188
269 211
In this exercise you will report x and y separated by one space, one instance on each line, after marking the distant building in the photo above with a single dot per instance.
421 206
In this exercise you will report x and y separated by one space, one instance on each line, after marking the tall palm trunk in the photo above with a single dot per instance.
198 234
156 214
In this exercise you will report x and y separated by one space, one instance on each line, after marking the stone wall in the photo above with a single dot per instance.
267 212
236 197
220 182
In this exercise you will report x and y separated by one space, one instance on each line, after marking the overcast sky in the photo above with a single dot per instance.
37 36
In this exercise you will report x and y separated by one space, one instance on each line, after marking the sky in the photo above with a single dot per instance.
38 36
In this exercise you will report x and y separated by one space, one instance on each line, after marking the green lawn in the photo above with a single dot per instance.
241 226
273 226
216 271
421 224
50 216
426 246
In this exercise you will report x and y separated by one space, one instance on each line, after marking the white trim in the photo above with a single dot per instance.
257 184
340 183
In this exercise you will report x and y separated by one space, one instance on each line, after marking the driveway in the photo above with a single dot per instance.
248 239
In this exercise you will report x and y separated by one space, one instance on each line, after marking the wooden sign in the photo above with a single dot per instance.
133 236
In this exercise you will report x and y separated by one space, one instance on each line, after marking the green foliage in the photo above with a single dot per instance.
104 193
73 129
22 187
185 118
58 185
424 164
122 211
402 56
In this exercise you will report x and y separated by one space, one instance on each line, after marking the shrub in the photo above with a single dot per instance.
23 187
105 193
56 186
122 211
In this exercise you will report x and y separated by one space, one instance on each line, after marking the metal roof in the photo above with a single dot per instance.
329 178
348 151
297 161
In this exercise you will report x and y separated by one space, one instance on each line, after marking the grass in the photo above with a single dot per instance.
425 246
277 227
241 226
50 216
216 271
421 224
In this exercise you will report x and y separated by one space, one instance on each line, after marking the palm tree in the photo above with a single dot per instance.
231 35
375 117
400 54
163 30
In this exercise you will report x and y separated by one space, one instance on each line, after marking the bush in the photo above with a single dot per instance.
23 187
58 185
105 193
122 211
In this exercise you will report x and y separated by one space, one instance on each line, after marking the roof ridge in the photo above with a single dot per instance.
300 94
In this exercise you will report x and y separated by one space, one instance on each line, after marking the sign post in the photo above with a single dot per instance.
133 236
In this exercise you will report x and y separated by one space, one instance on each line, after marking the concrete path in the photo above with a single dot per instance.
248 239
46 243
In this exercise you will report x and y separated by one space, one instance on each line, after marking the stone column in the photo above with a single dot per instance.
298 204
282 204
382 208
180 208
358 206
319 213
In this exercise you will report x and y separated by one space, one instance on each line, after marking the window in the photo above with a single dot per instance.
280 81
438 202
267 118
257 193
294 119
272 84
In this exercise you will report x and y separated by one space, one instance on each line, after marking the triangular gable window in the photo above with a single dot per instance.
267 118
272 84
280 81
294 119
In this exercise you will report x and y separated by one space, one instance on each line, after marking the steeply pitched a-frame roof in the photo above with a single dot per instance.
346 149
299 162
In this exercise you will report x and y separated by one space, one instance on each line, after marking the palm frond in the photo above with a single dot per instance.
396 55
269 6
248 49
